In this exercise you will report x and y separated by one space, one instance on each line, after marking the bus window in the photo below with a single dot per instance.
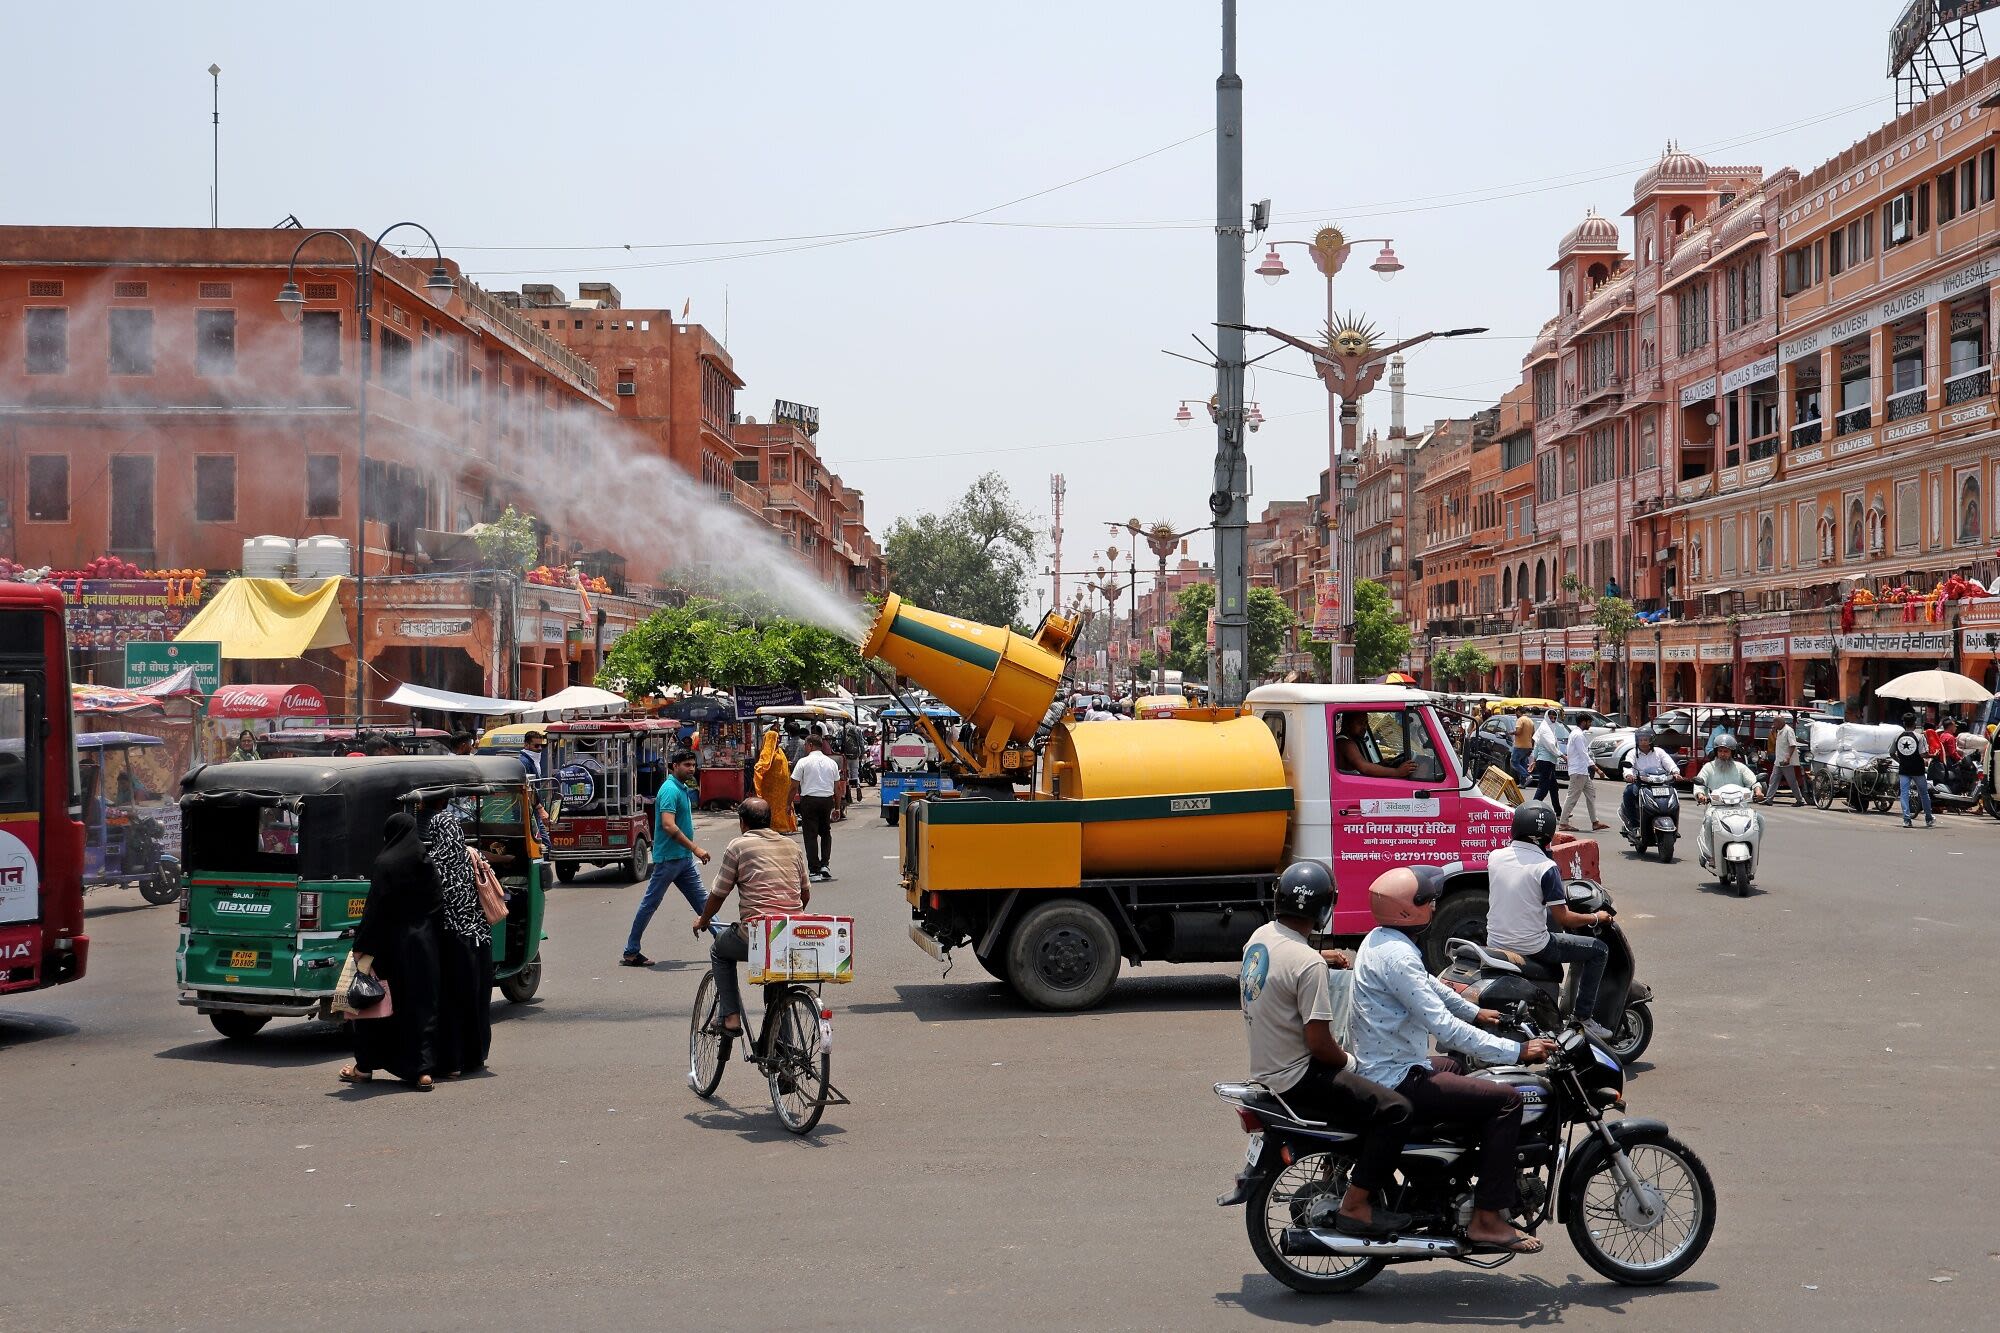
17 771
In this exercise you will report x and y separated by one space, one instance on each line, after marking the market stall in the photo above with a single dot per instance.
720 743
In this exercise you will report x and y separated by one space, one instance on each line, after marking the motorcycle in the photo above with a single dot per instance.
1731 833
1638 1204
1500 979
1957 786
1659 815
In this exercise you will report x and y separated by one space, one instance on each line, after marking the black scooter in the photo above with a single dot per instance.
1659 816
1958 786
1505 981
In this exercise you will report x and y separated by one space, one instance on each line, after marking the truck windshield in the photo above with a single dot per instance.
1387 743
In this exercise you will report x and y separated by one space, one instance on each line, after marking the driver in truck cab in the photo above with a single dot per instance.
1355 744
1288 1014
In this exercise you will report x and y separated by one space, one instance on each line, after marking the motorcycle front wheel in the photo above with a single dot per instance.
1634 1034
1283 1200
1612 1238
1666 841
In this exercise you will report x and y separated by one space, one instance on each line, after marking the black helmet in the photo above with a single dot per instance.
1534 823
1305 889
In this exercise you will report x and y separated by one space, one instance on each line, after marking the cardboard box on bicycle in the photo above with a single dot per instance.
801 948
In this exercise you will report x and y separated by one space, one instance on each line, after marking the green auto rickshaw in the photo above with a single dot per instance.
276 856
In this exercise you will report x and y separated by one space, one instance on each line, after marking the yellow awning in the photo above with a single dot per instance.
264 618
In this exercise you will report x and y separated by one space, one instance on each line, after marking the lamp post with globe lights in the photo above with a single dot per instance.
291 304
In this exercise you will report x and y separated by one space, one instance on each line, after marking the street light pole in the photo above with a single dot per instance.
291 304
1229 500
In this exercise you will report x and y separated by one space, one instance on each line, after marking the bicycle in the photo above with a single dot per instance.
793 1050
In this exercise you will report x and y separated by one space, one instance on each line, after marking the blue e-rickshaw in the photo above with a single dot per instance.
910 762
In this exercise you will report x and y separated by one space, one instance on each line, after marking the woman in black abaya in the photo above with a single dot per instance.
465 949
399 927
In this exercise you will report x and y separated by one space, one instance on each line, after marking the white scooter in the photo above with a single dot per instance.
1732 831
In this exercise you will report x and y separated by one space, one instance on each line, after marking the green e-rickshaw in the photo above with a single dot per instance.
276 856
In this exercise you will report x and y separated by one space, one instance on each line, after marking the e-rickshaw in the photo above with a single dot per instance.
125 839
602 777
278 854
910 762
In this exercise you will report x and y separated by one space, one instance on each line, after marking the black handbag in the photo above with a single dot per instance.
365 991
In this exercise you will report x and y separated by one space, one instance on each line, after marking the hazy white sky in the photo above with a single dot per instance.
1474 133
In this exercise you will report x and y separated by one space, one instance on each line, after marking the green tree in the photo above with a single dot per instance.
1381 638
508 542
1458 665
710 642
971 561
1270 618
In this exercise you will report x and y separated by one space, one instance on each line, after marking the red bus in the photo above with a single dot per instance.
41 833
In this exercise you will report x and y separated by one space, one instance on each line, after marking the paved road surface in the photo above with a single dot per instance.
1828 1045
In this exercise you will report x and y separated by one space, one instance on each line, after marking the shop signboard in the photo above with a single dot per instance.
1641 652
750 698
1531 649
432 627
1980 641
1890 309
105 614
1679 652
1717 652
1763 650
1811 645
148 663
1893 643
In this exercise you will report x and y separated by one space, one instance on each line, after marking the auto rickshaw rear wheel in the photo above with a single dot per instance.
237 1025
521 987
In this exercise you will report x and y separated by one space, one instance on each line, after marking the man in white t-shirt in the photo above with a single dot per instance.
1524 892
1287 1014
816 777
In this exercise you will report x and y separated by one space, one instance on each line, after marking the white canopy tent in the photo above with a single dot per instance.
575 699
444 701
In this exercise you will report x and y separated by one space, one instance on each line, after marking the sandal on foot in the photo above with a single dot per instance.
634 960
354 1075
1519 1245
421 1083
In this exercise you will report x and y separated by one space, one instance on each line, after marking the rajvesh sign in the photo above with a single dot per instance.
1908 301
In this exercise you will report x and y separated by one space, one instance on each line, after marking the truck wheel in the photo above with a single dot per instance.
1461 916
566 870
1063 955
237 1025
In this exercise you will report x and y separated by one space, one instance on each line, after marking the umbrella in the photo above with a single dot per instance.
1397 678
1935 687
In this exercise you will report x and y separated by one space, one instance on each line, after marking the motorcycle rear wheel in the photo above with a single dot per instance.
1282 1200
1631 1256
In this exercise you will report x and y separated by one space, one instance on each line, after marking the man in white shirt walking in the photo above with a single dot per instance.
1582 786
816 777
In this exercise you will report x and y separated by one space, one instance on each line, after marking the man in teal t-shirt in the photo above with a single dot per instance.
674 854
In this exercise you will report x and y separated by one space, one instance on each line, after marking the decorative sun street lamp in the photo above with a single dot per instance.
291 304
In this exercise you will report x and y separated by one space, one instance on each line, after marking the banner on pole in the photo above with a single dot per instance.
1326 605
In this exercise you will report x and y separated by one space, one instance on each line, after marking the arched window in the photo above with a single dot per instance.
1521 581
1878 525
1507 587
1764 542
1968 508
1856 539
1829 530
1541 580
1694 557
1597 274
1678 220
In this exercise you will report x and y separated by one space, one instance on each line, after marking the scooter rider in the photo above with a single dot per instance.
1288 1014
1646 760
1722 771
1524 893
1399 1007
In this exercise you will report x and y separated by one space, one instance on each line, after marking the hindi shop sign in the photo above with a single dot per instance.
750 698
148 663
108 613
450 627
1890 643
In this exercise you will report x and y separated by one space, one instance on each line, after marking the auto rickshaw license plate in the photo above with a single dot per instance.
243 958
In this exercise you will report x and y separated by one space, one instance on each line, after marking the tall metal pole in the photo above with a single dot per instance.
1228 668
215 148
364 297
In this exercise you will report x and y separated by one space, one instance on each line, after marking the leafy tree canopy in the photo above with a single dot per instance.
972 561
1381 638
708 642
1270 618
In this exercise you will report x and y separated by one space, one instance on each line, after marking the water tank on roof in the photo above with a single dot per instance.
269 557
324 557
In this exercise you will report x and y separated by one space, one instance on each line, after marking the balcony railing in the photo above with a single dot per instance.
1909 403
1762 449
1805 433
1968 385
1859 418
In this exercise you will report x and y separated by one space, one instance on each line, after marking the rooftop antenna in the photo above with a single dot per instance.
215 148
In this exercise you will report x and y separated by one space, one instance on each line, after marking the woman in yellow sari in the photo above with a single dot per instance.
774 782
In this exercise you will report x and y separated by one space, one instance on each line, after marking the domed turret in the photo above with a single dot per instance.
1676 170
1595 235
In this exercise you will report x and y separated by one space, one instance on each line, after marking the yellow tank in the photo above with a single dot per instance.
1178 797
999 681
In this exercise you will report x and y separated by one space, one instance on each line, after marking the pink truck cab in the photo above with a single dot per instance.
1393 794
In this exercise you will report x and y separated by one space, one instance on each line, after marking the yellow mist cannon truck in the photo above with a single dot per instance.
1071 847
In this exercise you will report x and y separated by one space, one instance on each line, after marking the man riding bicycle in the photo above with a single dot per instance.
769 872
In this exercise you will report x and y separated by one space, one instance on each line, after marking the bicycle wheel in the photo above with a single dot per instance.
708 1047
799 1063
